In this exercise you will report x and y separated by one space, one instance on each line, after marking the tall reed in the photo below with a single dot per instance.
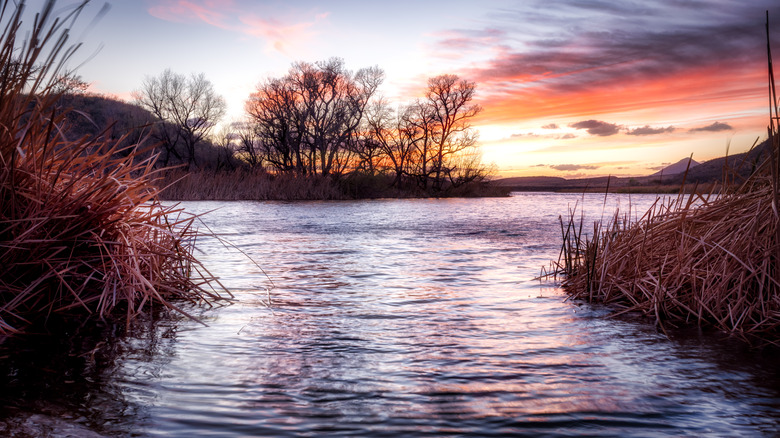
81 226
708 259
246 185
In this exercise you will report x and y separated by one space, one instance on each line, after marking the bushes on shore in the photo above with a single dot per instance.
81 226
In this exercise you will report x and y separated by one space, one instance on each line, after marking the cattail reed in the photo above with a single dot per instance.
81 227
711 260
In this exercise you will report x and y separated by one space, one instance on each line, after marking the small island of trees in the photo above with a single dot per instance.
319 132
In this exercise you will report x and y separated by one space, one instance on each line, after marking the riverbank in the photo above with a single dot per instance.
700 259
707 260
249 185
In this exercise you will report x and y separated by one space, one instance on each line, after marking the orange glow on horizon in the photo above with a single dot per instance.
672 105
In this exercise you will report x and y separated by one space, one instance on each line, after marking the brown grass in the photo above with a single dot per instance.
252 185
701 259
245 185
712 260
81 226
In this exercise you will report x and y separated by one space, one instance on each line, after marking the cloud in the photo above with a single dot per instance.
568 58
550 126
281 35
467 40
523 135
597 127
573 167
622 43
648 130
715 127
207 11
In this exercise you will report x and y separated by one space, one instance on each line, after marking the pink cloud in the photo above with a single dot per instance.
280 35
207 11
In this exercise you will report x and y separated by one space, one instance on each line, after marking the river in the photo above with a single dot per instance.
390 318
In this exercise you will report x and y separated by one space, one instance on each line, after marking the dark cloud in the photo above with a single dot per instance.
648 130
597 127
569 44
715 127
573 167
567 136
550 126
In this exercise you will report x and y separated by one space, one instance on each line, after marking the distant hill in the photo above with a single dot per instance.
678 167
91 115
670 179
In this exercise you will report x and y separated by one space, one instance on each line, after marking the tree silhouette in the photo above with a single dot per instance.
187 108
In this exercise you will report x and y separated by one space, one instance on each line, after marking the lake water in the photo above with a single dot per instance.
390 318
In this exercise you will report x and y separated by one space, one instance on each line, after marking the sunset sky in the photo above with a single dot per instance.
569 88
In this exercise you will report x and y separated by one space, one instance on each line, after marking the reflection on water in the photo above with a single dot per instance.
393 318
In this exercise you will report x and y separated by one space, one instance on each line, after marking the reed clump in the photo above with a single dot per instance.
81 227
245 185
712 260
708 260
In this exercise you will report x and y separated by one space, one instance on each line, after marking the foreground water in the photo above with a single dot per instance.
389 318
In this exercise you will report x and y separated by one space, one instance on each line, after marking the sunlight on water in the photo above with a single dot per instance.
411 318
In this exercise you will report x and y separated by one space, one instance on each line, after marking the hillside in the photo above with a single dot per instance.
678 167
94 113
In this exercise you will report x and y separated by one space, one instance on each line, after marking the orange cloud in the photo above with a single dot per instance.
697 92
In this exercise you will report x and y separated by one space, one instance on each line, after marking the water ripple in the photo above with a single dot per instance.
409 318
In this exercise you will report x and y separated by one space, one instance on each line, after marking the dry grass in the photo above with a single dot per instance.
710 259
245 185
81 227
701 259
704 259
252 185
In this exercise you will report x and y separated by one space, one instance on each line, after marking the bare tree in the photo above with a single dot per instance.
187 108
225 141
394 136
307 119
449 100
69 83
248 144
279 125
431 140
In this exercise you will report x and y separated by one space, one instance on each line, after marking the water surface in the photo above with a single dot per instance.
395 318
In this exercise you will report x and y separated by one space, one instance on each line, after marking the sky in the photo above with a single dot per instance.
570 88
